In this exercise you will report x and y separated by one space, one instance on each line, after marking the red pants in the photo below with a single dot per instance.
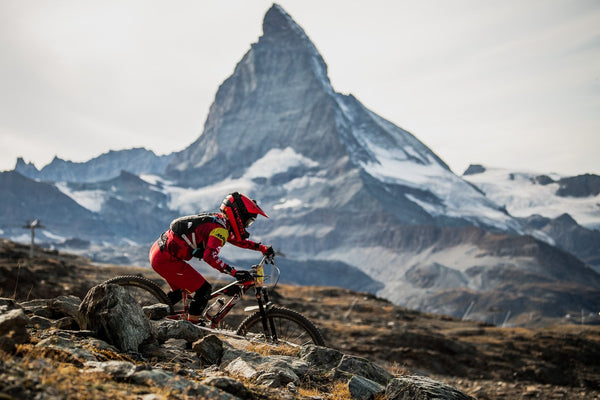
177 273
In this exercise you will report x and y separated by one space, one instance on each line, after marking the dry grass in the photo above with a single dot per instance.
265 349
334 391
57 375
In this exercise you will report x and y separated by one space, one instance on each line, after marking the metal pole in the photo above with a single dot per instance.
31 247
32 225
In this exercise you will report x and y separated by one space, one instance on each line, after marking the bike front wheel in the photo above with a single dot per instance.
284 325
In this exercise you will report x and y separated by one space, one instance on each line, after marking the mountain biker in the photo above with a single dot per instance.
203 236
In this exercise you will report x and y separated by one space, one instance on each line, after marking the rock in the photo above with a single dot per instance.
422 388
156 312
172 351
243 367
154 377
277 377
229 385
67 349
41 322
64 306
209 349
118 370
167 329
321 358
361 366
273 371
364 389
37 307
7 304
13 329
116 317
176 344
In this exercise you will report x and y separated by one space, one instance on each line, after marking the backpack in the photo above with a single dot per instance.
187 224
183 226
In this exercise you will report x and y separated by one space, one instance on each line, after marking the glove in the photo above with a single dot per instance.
243 276
269 253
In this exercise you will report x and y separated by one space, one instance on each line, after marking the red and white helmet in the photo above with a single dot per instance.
241 211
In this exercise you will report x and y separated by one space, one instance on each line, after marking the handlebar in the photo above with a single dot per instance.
259 274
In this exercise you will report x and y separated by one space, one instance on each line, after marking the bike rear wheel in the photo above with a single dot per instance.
143 290
290 327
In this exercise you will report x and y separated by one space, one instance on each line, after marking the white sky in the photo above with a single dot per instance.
511 83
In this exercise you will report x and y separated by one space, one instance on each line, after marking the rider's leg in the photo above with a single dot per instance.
179 274
199 302
175 296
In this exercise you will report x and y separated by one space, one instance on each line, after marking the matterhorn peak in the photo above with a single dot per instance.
279 101
277 22
280 30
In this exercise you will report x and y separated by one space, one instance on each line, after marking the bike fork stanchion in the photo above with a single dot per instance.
273 331
271 320
269 333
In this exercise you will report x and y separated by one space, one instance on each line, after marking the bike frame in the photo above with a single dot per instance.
240 288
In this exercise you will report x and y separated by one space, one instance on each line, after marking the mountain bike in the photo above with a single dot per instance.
266 323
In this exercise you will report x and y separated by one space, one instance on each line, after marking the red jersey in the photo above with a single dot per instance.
210 236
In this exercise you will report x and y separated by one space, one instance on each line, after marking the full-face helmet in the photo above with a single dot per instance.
241 211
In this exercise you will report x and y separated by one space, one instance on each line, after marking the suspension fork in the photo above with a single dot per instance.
268 324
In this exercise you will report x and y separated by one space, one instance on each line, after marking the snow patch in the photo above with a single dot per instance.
458 199
152 179
277 161
303 182
90 199
523 196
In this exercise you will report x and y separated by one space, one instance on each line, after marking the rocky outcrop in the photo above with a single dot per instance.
211 367
421 388
579 186
115 316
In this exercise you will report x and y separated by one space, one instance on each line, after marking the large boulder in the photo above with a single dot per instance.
422 388
114 315
13 329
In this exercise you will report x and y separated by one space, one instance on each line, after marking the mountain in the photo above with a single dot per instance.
279 108
353 199
561 210
343 184
550 195
23 199
125 209
106 166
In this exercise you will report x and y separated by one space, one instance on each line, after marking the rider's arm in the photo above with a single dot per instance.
248 244
216 240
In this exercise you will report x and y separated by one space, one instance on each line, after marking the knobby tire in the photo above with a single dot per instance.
146 285
291 327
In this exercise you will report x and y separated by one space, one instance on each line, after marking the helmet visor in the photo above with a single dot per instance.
250 221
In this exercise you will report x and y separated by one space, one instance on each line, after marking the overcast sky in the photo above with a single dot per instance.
512 83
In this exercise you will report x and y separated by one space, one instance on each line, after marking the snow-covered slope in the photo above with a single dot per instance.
394 156
527 193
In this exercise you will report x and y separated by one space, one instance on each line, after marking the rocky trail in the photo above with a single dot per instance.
375 349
